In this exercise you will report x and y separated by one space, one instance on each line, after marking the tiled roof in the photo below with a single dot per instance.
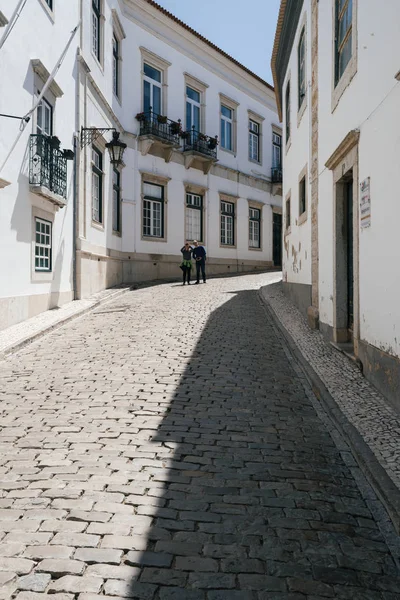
206 41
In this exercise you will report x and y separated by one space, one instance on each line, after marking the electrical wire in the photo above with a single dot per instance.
26 118
15 16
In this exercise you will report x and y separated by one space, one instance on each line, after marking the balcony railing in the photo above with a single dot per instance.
198 142
160 127
47 164
276 175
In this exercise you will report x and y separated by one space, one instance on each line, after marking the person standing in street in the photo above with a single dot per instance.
199 254
186 264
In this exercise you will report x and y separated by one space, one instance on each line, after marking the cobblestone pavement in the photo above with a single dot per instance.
166 446
362 404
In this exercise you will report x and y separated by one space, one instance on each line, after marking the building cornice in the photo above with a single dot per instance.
344 148
151 17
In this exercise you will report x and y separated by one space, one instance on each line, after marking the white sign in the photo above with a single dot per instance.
365 203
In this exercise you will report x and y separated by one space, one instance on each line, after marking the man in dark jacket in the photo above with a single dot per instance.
199 254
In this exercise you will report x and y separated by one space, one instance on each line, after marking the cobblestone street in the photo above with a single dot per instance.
167 446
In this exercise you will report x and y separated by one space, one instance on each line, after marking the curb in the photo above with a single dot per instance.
35 336
382 484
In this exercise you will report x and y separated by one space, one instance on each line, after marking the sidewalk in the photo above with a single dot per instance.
15 337
368 422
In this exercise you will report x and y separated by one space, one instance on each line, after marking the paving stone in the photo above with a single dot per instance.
113 572
58 567
35 582
11 549
41 552
21 566
127 589
149 559
98 555
75 539
211 580
181 594
76 585
39 596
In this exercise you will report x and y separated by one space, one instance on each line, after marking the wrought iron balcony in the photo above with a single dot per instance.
47 164
198 142
276 175
159 126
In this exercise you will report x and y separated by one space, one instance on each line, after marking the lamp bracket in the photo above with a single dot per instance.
90 134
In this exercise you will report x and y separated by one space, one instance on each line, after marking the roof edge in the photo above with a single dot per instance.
277 40
168 14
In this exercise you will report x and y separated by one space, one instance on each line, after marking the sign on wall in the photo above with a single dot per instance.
365 203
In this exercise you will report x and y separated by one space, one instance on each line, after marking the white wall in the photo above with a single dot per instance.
369 104
35 36
296 155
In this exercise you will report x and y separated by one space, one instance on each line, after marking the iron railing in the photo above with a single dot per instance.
47 164
276 175
194 140
159 126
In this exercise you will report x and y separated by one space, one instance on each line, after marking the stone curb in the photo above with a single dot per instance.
376 475
47 329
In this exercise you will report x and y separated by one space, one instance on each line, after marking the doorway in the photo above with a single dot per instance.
277 240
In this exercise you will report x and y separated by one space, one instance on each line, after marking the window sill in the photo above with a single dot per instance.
97 225
302 218
255 249
117 98
344 82
228 246
41 276
256 162
49 11
288 144
98 62
288 230
117 233
149 238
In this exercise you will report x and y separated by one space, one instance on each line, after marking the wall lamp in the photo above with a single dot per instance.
115 148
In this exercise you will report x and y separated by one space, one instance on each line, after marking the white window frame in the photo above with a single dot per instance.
301 69
192 103
254 140
276 143
225 123
97 30
45 107
150 203
227 223
195 206
254 228
158 63
116 45
46 245
97 175
153 83
232 105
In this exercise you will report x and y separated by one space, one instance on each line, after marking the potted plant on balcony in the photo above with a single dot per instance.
213 142
175 128
185 135
55 142
141 117
161 119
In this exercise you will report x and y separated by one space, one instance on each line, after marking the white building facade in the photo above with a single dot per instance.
202 159
340 258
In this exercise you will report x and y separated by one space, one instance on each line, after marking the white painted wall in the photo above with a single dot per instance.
296 155
369 104
35 36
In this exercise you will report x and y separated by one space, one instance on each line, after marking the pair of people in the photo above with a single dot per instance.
199 255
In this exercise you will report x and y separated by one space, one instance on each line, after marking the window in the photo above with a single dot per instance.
288 213
227 223
96 28
44 118
254 140
194 217
343 36
152 89
301 58
276 150
302 196
42 245
287 111
254 228
97 185
116 201
192 110
226 127
153 210
115 65
49 4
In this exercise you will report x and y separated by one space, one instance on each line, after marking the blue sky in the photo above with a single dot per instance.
245 29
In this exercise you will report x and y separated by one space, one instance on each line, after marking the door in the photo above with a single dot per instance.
277 240
350 258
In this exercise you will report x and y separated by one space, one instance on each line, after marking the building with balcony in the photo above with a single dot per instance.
202 158
340 259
